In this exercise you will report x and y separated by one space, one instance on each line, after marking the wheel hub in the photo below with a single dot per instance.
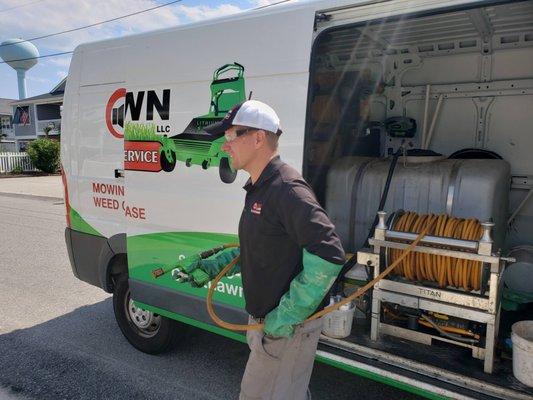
146 321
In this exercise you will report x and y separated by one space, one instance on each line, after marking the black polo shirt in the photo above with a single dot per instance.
281 217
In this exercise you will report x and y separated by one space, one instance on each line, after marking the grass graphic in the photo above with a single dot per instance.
140 132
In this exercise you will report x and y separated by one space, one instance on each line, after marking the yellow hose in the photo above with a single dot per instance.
446 271
451 329
431 220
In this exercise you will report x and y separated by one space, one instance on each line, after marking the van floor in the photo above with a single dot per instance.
443 355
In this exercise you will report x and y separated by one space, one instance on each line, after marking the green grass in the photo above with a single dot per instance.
142 132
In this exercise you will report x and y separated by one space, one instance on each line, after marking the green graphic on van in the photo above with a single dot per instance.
150 251
78 223
145 150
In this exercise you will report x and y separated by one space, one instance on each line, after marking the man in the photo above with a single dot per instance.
290 257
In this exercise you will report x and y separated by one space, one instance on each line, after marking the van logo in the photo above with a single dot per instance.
129 105
142 156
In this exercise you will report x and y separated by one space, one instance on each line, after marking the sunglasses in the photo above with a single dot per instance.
230 137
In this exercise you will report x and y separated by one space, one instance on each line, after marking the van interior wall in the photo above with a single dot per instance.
478 67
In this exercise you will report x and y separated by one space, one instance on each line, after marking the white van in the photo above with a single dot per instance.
442 91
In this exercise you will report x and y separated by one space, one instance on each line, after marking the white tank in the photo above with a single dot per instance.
461 188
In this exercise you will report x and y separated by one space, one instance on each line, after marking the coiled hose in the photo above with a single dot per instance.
446 271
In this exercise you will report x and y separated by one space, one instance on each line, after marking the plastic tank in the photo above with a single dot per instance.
461 188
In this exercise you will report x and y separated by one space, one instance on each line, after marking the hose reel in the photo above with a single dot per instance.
452 271
434 269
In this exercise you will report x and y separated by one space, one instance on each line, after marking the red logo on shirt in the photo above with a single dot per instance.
256 208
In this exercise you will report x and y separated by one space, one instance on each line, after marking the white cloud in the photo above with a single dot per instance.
198 13
61 74
37 79
52 16
57 15
42 19
262 3
58 61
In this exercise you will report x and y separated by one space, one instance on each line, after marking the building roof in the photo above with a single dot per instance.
60 88
55 94
38 99
5 106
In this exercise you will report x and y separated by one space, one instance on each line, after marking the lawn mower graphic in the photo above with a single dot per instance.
147 151
194 146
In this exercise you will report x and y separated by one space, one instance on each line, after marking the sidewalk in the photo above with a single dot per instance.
42 186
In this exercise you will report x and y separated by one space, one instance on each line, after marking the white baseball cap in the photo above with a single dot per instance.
252 114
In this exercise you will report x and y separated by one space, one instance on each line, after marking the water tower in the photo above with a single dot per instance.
21 56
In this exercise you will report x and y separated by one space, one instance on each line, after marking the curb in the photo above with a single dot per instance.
31 196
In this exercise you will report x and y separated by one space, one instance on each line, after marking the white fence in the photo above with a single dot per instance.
9 161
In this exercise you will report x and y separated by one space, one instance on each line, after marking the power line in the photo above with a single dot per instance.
35 58
21 5
92 25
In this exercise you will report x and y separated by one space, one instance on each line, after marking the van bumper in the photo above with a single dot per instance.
89 257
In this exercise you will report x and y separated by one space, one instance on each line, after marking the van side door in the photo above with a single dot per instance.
181 195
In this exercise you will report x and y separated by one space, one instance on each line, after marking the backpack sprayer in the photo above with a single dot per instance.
431 220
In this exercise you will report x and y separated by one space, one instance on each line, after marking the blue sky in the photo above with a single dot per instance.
31 18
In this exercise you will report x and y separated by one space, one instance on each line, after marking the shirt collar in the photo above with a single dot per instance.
271 168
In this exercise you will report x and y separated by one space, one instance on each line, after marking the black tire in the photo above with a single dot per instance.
166 165
157 338
227 175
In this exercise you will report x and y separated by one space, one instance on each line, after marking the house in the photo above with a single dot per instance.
7 143
38 116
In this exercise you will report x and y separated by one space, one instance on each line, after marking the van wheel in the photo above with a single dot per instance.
146 331
166 165
227 175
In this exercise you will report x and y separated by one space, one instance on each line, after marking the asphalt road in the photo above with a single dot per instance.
59 339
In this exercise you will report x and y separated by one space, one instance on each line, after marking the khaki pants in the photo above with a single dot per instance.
280 368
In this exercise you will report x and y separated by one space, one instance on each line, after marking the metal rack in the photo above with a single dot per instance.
479 307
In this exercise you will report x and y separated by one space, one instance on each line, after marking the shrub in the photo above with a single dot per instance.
17 170
44 154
